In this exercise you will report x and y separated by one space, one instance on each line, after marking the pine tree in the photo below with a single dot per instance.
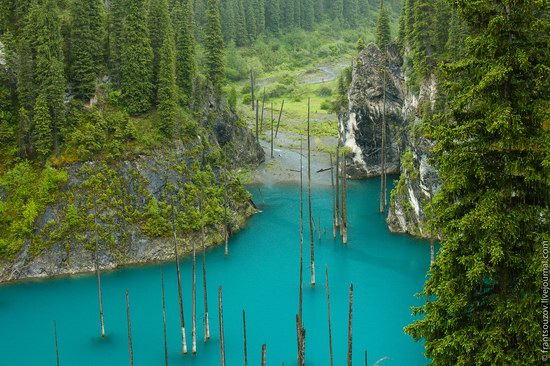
42 133
422 37
260 16
250 16
483 295
117 19
272 16
214 47
318 10
228 21
338 10
159 21
47 42
297 13
351 12
457 34
185 47
308 15
383 36
86 51
167 88
241 32
136 59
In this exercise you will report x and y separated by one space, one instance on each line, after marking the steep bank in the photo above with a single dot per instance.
125 207
407 145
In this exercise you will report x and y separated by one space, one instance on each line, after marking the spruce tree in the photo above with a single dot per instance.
117 19
272 16
42 132
250 17
159 21
422 37
228 21
308 13
136 59
297 13
383 36
185 47
214 47
260 16
86 51
338 10
351 12
241 32
47 43
167 87
483 295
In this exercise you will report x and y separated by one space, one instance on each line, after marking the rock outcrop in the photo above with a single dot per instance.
408 150
123 207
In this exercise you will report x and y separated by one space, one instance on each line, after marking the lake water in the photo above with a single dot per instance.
260 275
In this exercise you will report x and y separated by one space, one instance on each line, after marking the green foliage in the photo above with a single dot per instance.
28 193
215 52
86 51
232 99
167 88
483 295
42 128
136 59
159 29
383 32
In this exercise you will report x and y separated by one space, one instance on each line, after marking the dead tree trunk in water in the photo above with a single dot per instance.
226 223
383 159
244 333
130 350
279 120
344 202
337 185
206 320
333 198
301 336
311 241
301 231
350 327
220 317
263 354
329 322
194 301
99 294
178 274
164 317
56 344
272 130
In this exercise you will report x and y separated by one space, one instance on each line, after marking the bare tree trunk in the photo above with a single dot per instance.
334 220
279 120
180 296
383 159
319 228
329 322
244 333
350 321
344 203
206 320
130 350
164 317
226 223
99 294
56 343
301 231
257 120
252 85
262 119
272 130
311 241
220 317
194 302
338 184
263 354
300 333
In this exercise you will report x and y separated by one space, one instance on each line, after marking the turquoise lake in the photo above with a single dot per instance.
260 275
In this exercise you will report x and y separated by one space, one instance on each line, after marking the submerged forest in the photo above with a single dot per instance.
161 156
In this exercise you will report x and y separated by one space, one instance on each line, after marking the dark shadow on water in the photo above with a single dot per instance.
109 339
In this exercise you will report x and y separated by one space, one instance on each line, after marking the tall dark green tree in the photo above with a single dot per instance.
87 45
228 21
117 19
167 87
159 22
250 16
383 35
422 45
260 16
272 16
185 47
308 14
483 295
338 10
42 132
351 12
241 31
214 47
47 42
136 59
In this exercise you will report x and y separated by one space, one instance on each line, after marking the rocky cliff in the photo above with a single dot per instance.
407 145
122 212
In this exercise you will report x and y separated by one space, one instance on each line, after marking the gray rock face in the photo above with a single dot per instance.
122 192
361 125
408 152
